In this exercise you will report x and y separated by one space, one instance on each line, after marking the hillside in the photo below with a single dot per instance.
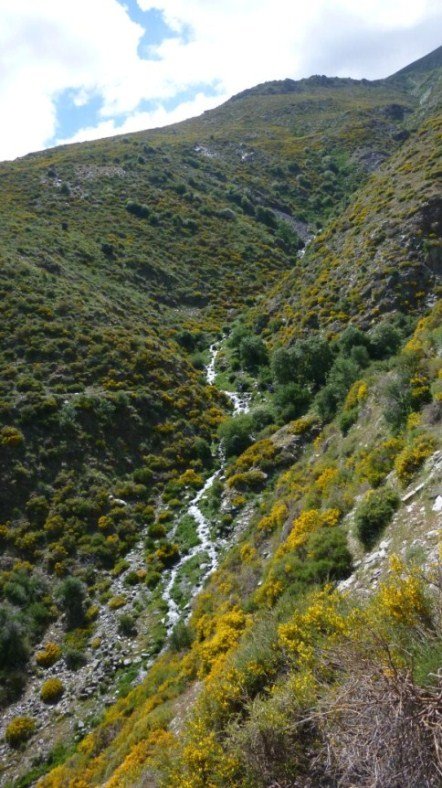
262 280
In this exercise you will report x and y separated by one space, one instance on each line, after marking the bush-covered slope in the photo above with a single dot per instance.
383 253
121 262
281 675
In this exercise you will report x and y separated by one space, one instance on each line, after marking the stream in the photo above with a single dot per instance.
241 404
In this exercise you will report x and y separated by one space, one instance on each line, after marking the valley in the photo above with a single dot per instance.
220 446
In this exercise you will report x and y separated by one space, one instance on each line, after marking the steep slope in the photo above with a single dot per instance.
122 261
382 254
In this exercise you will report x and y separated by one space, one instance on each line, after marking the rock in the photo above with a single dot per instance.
437 506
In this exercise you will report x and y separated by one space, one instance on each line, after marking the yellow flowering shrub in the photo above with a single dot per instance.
302 425
275 519
51 691
412 457
260 455
247 553
321 619
224 632
402 597
414 420
326 479
19 730
269 591
379 461
11 437
131 767
48 655
420 389
190 479
203 763
357 394
309 520
116 602
248 480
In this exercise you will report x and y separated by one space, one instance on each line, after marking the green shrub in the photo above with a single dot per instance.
19 730
167 554
347 419
291 401
157 531
181 637
74 658
126 625
306 362
71 595
374 513
152 579
137 209
250 480
236 434
397 403
384 340
51 691
328 555
13 643
350 338
117 601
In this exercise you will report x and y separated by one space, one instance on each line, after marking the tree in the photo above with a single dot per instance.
252 353
291 400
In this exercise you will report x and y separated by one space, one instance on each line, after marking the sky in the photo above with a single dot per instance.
74 70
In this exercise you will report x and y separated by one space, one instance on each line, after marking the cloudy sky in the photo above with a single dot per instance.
73 70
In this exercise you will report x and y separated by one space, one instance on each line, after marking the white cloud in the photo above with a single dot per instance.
148 120
90 47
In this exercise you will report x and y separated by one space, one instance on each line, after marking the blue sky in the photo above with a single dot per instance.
71 71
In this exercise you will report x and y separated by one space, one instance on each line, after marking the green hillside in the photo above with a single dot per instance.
289 240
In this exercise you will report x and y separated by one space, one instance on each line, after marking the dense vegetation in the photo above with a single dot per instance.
122 261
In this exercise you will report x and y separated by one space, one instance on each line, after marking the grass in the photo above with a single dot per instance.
186 534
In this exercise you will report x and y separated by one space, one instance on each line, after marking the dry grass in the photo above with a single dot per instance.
381 730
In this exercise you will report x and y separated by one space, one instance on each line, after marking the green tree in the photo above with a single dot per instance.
252 353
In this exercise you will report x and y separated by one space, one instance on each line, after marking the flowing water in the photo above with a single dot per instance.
241 404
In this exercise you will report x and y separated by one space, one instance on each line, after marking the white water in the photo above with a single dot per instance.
210 369
241 404
205 545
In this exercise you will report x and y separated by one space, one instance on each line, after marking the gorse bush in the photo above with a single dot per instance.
52 691
138 209
19 730
412 457
74 658
49 655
